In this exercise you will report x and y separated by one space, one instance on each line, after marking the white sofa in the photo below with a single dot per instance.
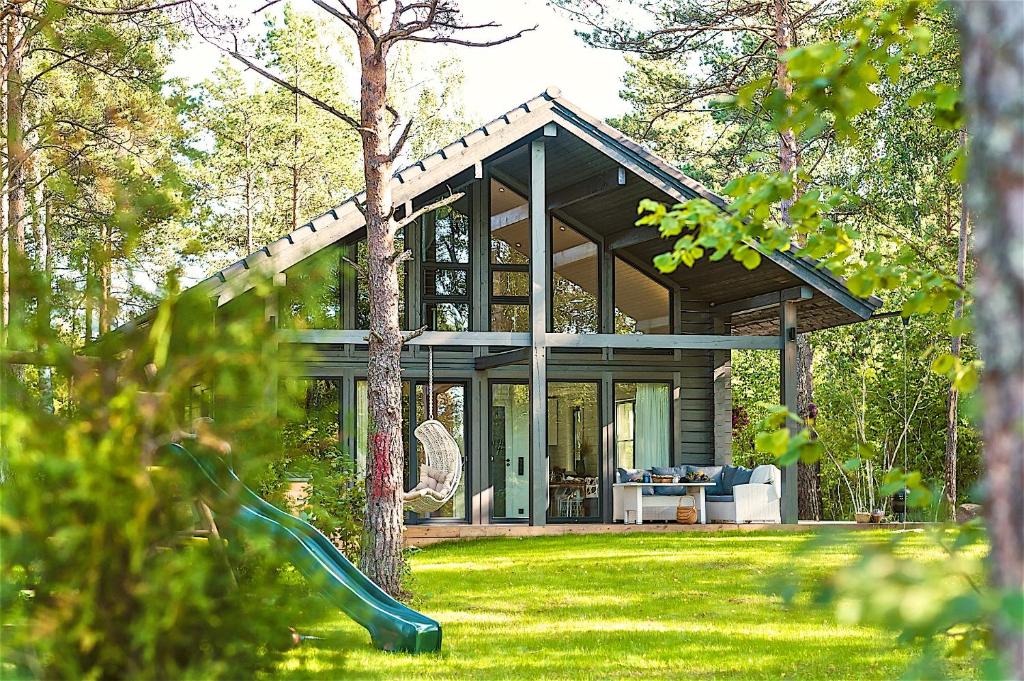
758 501
755 502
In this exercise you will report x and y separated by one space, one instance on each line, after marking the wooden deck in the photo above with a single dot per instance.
424 535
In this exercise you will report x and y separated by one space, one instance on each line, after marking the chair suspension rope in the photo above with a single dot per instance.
430 382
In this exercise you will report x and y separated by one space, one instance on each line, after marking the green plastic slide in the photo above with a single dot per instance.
392 626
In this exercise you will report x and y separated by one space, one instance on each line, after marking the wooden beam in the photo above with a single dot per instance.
573 254
538 327
500 359
631 236
762 301
661 342
587 188
788 398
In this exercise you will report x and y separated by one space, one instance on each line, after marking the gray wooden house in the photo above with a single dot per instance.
560 352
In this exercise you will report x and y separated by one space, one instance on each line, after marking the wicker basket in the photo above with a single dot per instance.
662 478
686 515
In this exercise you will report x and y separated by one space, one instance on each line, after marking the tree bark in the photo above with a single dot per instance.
993 54
15 181
381 556
105 267
952 403
249 246
808 475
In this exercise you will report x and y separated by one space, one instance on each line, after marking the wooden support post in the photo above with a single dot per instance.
787 397
538 329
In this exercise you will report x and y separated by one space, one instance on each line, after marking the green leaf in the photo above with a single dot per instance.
943 364
852 464
751 259
774 442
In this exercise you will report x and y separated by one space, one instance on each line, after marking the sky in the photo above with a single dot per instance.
501 77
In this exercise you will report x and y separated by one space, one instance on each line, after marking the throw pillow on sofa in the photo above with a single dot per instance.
734 475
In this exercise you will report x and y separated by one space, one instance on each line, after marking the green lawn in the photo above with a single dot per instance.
682 605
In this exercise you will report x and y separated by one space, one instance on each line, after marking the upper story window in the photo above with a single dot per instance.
312 295
642 305
575 281
446 247
361 252
510 259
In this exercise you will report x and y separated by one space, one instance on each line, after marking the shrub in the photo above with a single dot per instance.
102 574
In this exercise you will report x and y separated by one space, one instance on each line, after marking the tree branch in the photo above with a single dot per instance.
406 337
402 139
296 90
415 215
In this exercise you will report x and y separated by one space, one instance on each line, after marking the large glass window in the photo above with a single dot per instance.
449 407
643 425
641 304
363 285
449 404
446 247
575 281
510 450
363 426
574 451
510 259
312 296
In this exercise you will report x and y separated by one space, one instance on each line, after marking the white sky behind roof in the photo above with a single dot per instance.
501 77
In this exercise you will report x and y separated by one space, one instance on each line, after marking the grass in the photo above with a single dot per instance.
682 605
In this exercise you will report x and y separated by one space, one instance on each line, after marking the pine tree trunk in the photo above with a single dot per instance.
249 246
105 303
994 97
952 403
381 557
808 475
15 182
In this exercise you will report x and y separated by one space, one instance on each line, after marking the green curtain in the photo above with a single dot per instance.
651 446
624 434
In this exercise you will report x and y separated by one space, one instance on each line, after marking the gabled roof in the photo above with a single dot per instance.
477 146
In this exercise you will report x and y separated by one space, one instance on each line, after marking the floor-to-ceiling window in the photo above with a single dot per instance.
509 259
575 281
509 454
449 407
643 425
574 451
446 268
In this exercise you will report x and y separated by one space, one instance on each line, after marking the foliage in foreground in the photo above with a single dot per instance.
103 574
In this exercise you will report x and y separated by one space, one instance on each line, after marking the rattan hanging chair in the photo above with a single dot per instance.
441 454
